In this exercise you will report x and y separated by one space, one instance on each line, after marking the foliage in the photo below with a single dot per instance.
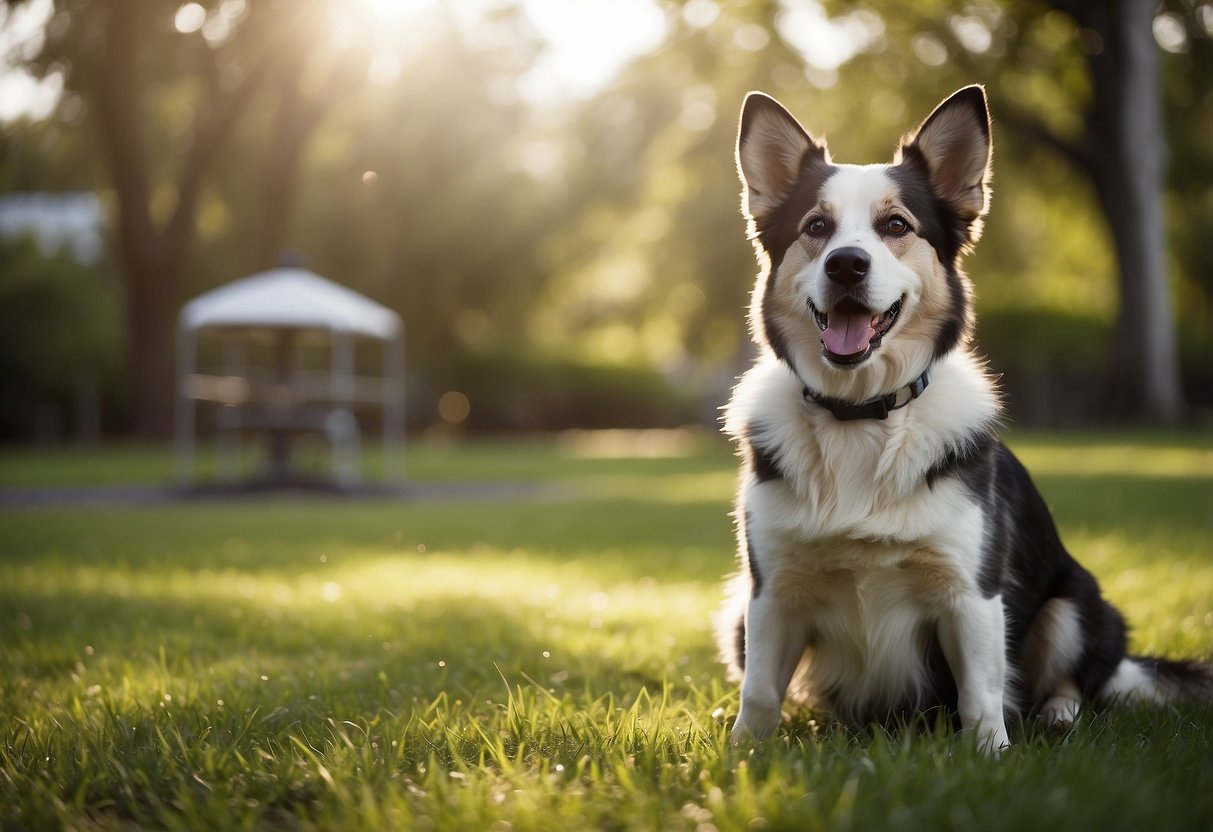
606 230
412 191
513 391
544 664
59 331
1189 91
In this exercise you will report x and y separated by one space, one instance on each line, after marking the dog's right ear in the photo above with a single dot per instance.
771 150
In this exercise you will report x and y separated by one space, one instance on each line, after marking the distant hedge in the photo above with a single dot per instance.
517 391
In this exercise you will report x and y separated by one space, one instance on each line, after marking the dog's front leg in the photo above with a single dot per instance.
774 643
973 636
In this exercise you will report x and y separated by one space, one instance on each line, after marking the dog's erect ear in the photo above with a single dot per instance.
954 142
771 150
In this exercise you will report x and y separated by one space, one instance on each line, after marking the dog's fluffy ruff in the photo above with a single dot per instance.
842 470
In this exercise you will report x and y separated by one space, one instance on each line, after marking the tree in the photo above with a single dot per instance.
162 105
1120 147
300 108
111 48
1122 150
57 340
1188 84
194 123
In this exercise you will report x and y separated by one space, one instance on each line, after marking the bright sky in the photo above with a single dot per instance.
588 41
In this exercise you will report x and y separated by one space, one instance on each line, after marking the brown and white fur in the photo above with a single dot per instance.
894 565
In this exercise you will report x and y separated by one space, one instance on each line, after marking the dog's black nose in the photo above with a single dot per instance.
848 265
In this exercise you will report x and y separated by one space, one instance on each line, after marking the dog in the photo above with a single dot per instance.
895 557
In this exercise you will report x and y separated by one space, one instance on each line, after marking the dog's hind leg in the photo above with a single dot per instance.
1052 652
1061 708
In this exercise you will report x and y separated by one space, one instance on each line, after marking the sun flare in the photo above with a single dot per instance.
393 11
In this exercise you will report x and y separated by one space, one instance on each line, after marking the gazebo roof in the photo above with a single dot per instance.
290 298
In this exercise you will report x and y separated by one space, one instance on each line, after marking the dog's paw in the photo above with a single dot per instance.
754 726
745 745
992 742
1059 713
743 737
994 750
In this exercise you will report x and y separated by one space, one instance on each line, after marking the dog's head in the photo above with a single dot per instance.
861 287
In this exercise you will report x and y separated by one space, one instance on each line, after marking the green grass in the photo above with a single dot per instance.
542 664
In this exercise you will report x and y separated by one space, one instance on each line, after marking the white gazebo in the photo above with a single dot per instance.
260 323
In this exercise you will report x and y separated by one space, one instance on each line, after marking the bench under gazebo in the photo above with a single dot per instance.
275 356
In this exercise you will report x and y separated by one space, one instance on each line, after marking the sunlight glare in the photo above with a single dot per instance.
588 42
189 18
394 11
827 43
22 34
387 30
585 43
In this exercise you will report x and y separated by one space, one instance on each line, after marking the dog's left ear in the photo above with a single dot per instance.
954 144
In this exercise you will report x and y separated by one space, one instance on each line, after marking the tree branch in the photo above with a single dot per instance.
298 118
1079 153
118 93
208 139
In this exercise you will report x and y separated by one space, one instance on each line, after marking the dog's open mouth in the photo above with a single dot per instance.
850 331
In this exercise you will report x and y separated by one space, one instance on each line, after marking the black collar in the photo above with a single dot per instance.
877 408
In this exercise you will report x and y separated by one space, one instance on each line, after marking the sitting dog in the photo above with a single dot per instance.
895 557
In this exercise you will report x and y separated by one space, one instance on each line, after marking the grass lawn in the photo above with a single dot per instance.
538 664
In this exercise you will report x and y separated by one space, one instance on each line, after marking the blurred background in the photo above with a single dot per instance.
544 191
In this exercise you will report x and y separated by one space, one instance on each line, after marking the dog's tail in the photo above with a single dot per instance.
1153 679
730 625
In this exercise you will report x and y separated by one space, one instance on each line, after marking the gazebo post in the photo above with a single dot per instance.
280 448
183 428
228 438
391 387
343 425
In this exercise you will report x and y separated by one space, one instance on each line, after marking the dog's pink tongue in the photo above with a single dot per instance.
849 332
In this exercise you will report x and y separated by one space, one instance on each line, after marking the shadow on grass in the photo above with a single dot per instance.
289 655
284 537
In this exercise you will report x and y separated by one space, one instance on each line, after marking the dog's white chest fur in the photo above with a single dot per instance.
866 611
861 556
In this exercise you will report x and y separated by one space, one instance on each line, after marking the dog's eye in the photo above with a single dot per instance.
816 227
896 226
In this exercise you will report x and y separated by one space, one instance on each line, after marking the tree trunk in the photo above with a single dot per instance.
154 258
1125 150
120 120
149 350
